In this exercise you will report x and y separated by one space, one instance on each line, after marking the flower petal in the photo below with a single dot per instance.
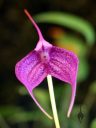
64 66
31 72
25 66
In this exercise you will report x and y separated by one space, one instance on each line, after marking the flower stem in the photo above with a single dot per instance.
53 103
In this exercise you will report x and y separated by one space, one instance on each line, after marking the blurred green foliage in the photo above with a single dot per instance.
93 125
25 114
68 20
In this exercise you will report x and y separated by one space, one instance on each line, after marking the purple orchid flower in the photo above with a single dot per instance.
44 60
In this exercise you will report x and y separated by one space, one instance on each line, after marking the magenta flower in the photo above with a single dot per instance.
45 60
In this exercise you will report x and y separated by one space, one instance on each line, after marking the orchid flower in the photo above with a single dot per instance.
44 61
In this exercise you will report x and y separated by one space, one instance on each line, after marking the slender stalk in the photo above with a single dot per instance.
53 103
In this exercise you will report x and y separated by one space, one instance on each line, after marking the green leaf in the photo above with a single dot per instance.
16 114
42 96
24 116
70 21
9 110
93 124
83 70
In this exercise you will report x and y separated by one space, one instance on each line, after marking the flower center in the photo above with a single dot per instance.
44 56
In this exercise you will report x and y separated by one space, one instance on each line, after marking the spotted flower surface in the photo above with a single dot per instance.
47 59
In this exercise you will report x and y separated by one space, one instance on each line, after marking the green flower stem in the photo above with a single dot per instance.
53 103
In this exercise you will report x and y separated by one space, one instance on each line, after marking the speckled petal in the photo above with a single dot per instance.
47 59
64 65
31 72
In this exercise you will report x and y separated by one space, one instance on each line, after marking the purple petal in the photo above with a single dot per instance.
31 72
64 66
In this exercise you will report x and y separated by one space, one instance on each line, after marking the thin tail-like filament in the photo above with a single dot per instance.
50 117
73 92
35 25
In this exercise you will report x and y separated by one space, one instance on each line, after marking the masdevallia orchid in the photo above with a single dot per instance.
44 61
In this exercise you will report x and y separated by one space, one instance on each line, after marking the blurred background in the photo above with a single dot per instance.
67 24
